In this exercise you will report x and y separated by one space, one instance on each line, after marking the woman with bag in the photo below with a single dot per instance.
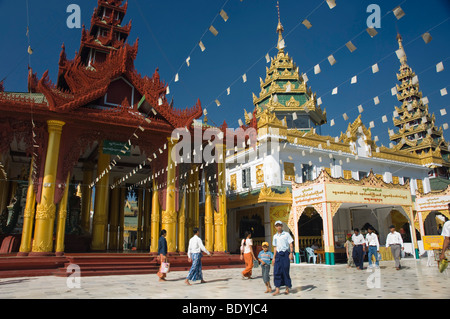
247 255
162 252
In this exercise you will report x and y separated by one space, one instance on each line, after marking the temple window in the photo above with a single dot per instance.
246 179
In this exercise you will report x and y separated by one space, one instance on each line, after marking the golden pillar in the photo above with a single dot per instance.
222 194
209 225
189 223
86 197
100 219
146 228
114 219
196 199
28 215
169 216
61 221
140 213
181 227
121 218
46 209
154 219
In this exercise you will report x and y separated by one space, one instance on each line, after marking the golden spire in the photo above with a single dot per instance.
280 28
400 46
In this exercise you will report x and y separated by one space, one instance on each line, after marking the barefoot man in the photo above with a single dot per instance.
195 252
283 251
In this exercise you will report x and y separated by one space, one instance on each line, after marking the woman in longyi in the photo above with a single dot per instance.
247 255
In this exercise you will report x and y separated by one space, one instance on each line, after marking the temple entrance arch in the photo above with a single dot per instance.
433 223
368 200
310 229
432 210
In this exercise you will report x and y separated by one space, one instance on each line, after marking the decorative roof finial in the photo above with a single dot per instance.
280 28
400 46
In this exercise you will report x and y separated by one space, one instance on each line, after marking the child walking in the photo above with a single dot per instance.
265 257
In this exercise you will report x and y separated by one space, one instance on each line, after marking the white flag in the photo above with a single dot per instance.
400 53
354 79
332 122
305 77
398 12
345 116
228 91
360 108
375 68
427 37
332 60
319 101
244 78
188 61
176 77
350 46
439 67
376 100
217 102
213 30
443 112
335 90
331 3
202 46
317 69
384 119
394 91
224 15
443 91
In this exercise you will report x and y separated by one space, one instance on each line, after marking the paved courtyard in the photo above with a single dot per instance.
414 280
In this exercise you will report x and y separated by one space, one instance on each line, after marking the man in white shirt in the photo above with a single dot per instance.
374 246
195 252
283 251
395 241
358 249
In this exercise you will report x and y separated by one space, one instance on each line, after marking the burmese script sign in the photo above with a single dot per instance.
308 195
433 242
432 203
367 195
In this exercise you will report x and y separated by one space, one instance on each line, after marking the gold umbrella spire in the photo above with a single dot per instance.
280 28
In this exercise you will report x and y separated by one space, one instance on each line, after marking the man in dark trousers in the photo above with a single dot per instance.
283 253
358 249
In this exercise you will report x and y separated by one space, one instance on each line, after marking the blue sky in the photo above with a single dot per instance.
168 32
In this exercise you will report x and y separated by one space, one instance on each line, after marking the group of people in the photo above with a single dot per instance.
283 252
357 246
283 248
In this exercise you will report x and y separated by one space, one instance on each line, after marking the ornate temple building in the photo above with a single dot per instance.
101 129
71 152
291 152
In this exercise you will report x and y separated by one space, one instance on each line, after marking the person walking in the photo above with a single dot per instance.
247 255
194 254
349 251
283 253
443 262
265 257
358 249
395 241
373 247
162 253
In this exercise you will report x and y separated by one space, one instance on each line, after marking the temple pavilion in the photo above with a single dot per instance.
72 150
